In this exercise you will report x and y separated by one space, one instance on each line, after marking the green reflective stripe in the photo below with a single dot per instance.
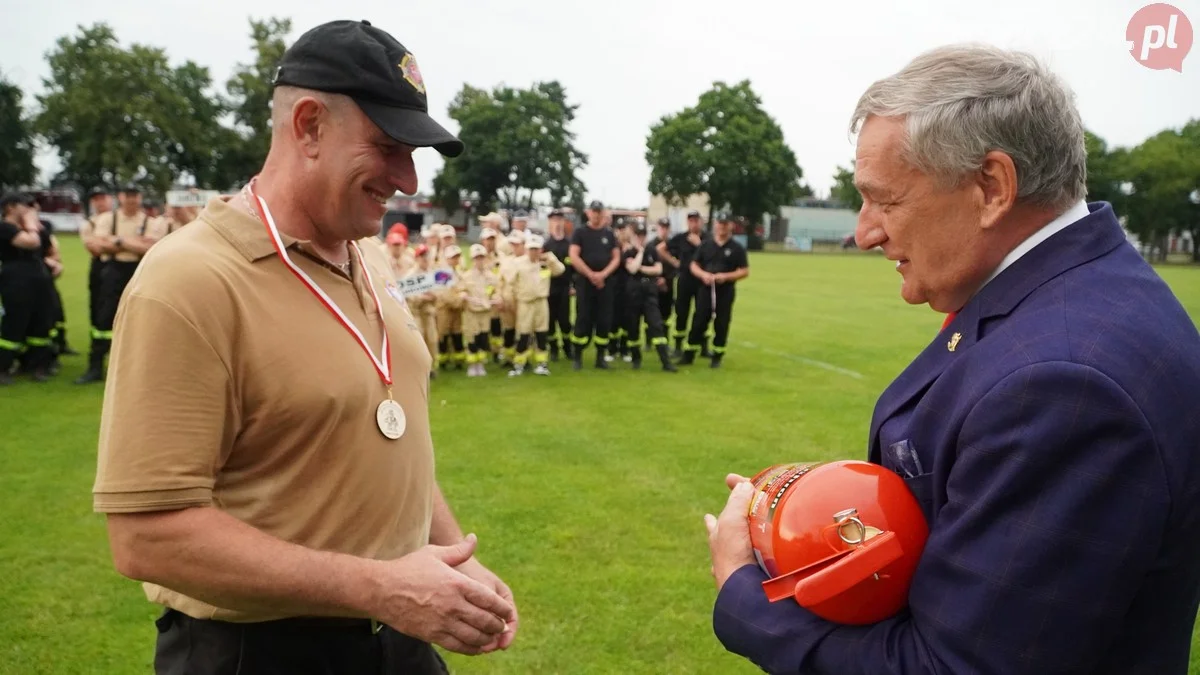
718 350
38 342
61 325
11 346
53 333
658 341
579 340
98 334
601 340
689 347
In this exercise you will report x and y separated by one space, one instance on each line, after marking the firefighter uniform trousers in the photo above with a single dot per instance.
618 344
449 306
477 289
642 302
508 313
725 294
593 313
26 295
114 277
687 288
532 290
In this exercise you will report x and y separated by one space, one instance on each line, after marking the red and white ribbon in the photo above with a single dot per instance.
382 366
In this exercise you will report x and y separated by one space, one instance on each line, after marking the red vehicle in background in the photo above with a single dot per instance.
62 208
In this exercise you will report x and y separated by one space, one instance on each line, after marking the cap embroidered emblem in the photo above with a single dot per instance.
408 66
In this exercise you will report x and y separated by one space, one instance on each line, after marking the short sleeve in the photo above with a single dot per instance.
169 414
577 237
740 259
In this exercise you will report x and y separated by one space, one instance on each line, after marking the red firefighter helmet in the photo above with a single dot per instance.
842 538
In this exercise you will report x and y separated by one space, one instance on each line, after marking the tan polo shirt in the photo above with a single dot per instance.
230 385
139 224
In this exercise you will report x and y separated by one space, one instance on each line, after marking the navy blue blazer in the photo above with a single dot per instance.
1060 447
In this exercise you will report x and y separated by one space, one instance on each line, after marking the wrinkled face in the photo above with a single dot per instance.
360 168
932 233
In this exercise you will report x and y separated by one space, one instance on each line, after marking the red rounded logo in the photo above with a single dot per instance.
1159 36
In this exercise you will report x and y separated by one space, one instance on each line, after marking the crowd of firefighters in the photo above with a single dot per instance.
506 300
509 301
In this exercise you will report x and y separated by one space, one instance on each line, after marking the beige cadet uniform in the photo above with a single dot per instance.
508 313
424 311
478 290
449 306
258 402
531 284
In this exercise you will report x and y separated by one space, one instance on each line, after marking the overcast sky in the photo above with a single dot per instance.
628 63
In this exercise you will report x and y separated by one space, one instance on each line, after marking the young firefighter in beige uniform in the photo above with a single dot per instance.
478 289
424 306
531 284
449 313
490 238
508 311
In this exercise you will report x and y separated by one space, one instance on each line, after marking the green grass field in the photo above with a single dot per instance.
587 490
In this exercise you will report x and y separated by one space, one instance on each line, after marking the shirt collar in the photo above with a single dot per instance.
1071 215
244 231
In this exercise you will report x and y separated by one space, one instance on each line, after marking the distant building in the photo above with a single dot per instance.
677 214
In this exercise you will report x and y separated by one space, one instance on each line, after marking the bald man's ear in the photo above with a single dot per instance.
308 117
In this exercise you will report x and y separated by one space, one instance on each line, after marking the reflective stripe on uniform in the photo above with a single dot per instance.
98 334
38 342
11 346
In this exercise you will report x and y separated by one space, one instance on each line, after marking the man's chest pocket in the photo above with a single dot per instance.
902 457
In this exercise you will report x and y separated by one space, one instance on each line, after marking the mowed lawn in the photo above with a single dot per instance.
587 490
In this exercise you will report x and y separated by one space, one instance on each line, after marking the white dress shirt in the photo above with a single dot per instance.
1071 215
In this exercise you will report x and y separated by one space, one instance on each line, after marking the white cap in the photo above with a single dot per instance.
516 237
534 241
492 217
451 251
486 233
448 230
477 250
427 231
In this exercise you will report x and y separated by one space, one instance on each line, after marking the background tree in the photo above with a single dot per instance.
728 147
1164 172
518 142
116 114
16 139
249 101
843 189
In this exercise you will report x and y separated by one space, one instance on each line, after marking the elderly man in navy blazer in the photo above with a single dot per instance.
1055 418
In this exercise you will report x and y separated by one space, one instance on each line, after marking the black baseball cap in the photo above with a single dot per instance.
555 213
358 60
664 221
639 228
693 214
130 188
14 198
596 205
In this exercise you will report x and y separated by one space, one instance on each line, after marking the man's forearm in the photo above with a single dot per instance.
213 557
444 530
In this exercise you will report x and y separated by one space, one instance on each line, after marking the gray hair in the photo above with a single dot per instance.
962 101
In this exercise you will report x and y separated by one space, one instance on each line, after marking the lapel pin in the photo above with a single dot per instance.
953 343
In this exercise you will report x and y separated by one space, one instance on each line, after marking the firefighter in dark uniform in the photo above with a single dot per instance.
594 257
718 265
126 232
641 300
25 289
100 202
666 283
681 248
618 345
556 242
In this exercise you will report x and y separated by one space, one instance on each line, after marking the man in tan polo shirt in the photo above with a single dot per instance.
265 461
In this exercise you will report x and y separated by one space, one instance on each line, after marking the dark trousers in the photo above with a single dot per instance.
642 303
27 298
666 300
114 277
560 314
593 313
616 335
704 313
58 331
686 288
94 289
188 646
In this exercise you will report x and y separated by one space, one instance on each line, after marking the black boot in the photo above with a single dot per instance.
666 360
601 364
635 356
577 357
716 361
678 347
94 374
688 358
554 351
